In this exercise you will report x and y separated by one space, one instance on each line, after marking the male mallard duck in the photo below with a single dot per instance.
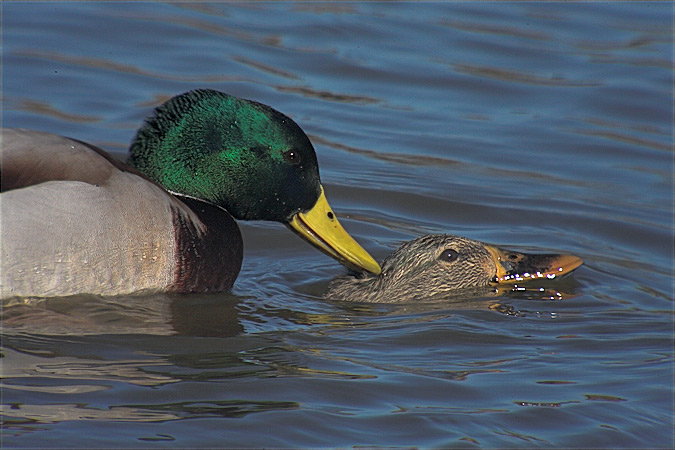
74 220
435 265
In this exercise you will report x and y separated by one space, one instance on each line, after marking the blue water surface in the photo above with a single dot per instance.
541 127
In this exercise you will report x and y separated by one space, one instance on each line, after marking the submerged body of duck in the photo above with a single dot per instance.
432 266
76 221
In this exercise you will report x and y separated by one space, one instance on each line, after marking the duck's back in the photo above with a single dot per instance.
75 221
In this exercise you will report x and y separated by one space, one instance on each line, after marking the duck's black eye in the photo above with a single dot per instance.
448 255
292 156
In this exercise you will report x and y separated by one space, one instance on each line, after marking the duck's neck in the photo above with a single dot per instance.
357 288
210 255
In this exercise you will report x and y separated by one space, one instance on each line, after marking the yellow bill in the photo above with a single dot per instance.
513 267
319 226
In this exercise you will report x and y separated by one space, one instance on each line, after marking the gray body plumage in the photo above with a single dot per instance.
72 220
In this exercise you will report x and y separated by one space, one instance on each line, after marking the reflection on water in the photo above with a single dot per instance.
516 77
162 314
541 127
107 65
78 368
37 107
223 315
24 415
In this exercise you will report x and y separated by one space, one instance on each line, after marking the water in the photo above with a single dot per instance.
535 126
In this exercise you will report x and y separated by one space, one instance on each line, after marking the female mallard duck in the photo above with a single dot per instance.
435 265
74 220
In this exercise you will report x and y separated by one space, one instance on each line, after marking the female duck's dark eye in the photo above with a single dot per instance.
448 255
292 156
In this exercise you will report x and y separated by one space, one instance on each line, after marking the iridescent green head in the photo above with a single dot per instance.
247 158
238 154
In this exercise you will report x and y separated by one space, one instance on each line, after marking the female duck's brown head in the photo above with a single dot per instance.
435 265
